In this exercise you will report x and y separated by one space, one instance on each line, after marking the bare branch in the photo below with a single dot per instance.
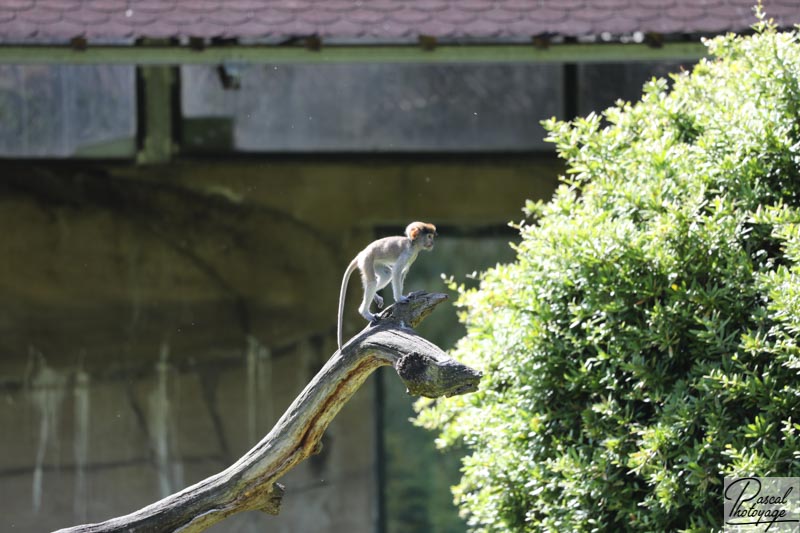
251 482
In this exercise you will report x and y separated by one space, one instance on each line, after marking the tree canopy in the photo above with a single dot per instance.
644 344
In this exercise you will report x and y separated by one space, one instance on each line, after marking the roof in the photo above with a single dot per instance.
366 21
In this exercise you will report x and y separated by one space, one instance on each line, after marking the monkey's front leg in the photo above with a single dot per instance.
397 287
383 275
397 284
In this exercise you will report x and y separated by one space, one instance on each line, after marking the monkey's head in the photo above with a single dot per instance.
421 234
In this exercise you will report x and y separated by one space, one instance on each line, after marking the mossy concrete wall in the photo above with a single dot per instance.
156 320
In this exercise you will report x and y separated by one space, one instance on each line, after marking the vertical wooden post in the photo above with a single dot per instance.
156 126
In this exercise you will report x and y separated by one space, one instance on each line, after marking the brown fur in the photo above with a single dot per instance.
414 229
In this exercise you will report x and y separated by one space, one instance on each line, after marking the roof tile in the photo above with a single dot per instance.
20 29
244 5
571 27
338 5
389 29
500 16
322 18
202 6
706 24
229 17
343 28
162 29
38 21
18 4
154 6
729 13
410 16
367 17
685 12
249 30
569 5
86 16
431 5
207 30
527 27
436 28
664 25
107 6
656 3
272 16
519 5
619 5
39 16
384 5
595 16
481 28
620 25
66 29
138 18
292 5
298 27
783 11
113 27
548 15
455 16
475 5
639 14
58 5
181 19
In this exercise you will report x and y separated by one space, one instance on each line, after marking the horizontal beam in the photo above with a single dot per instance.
512 53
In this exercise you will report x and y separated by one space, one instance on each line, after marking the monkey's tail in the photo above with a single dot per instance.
342 292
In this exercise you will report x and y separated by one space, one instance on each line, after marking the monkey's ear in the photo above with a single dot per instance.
413 233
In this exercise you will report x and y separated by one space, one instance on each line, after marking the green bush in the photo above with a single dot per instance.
645 342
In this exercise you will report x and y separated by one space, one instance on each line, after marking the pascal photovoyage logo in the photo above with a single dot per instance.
758 504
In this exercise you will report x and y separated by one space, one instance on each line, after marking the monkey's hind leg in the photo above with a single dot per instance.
370 289
364 307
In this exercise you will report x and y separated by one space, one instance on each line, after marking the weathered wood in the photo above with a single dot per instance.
251 482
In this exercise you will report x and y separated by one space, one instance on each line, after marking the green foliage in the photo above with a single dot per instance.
645 342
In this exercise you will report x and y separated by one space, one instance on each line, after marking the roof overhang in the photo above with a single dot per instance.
286 54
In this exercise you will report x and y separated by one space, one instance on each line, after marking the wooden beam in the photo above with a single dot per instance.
511 53
156 126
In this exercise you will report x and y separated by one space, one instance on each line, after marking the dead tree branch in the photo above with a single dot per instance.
251 482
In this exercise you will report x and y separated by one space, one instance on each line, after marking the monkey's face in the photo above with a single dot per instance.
427 241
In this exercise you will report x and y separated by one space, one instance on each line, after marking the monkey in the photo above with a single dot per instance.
382 261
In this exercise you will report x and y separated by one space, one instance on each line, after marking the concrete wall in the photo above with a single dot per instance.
87 445
157 320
